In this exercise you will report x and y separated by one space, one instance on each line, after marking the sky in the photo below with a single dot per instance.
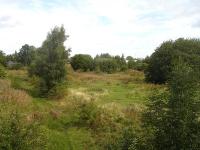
129 27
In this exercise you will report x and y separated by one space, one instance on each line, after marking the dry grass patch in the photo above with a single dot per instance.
8 94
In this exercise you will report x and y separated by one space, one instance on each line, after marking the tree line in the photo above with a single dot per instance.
106 63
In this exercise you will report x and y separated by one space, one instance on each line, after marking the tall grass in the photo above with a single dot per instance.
10 95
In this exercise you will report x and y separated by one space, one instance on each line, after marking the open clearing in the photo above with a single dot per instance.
114 92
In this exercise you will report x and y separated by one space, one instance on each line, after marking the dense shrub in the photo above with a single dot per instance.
105 123
129 139
161 61
86 115
82 62
58 91
172 116
2 71
18 134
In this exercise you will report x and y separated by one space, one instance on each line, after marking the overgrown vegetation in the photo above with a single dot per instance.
103 103
172 116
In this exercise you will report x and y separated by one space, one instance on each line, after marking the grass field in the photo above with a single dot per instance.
114 92
121 88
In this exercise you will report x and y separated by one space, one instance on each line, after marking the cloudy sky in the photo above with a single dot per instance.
131 27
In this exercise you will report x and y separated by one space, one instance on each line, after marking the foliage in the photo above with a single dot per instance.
50 63
26 54
137 64
108 65
101 63
2 58
82 62
57 92
2 71
16 133
86 115
129 139
161 61
173 116
11 57
121 63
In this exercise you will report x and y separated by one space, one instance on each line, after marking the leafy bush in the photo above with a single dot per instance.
18 134
129 139
57 92
86 115
82 62
2 71
173 116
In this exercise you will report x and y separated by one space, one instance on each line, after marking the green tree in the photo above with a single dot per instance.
160 62
173 115
82 62
121 63
26 54
12 57
137 64
108 65
2 58
128 58
50 61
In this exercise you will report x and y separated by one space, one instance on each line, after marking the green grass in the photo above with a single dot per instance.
71 139
115 90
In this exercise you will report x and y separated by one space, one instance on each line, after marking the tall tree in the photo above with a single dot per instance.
50 63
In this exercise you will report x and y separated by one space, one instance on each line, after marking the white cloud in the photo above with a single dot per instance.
132 27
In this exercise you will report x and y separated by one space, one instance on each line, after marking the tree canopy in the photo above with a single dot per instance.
82 62
160 62
26 54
